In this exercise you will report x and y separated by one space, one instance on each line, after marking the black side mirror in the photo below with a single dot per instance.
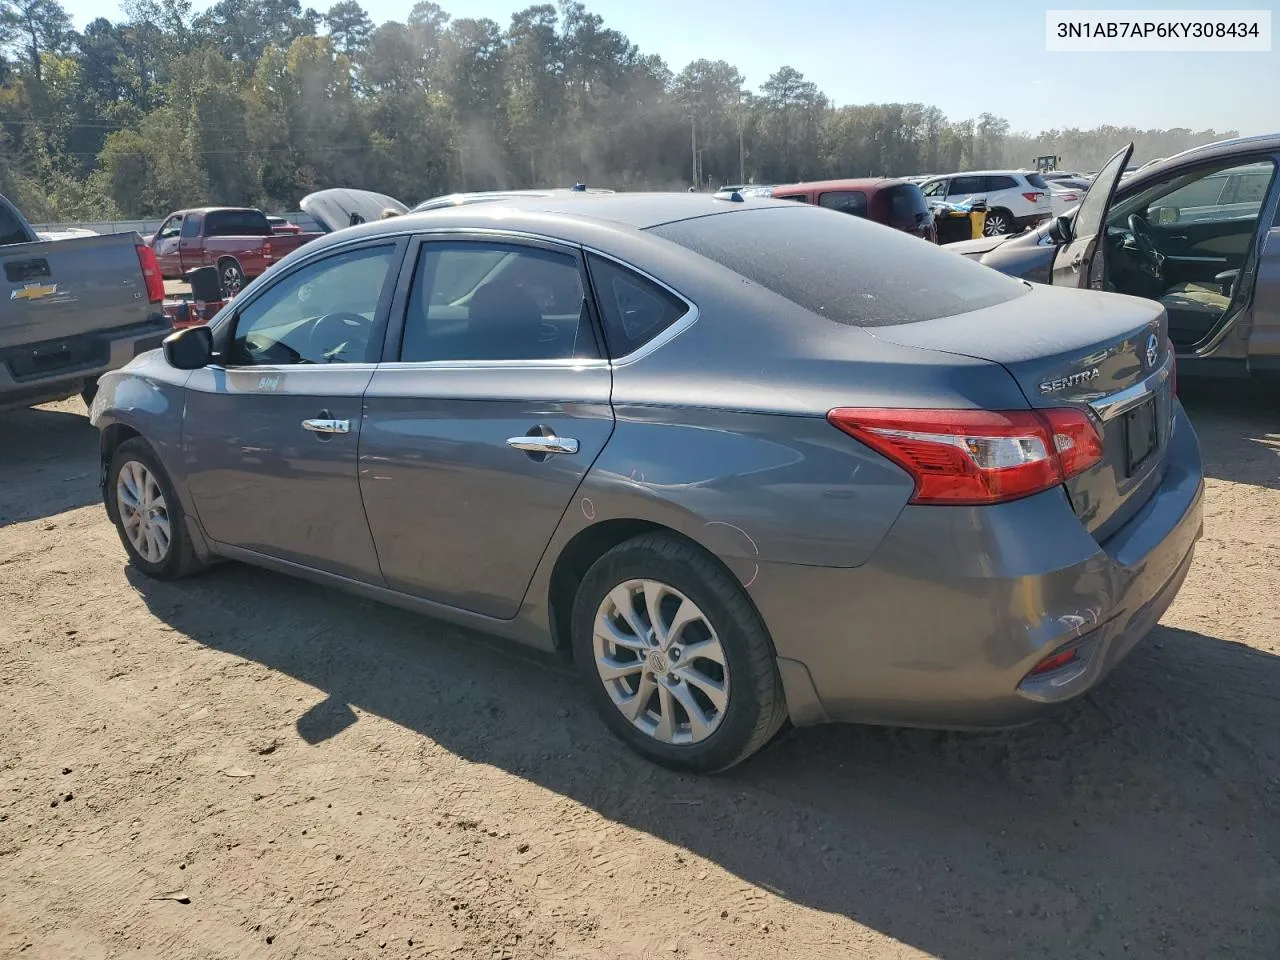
189 349
1061 229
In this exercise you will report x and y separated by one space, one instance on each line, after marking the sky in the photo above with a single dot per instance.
962 56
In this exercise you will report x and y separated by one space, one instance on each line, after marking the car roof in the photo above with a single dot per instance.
220 210
981 173
490 196
571 217
1224 148
861 183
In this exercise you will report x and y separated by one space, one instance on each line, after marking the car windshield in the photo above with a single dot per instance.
844 268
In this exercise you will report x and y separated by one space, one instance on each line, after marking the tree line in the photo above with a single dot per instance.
262 101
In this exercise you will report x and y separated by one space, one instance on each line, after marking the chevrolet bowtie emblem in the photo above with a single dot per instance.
34 291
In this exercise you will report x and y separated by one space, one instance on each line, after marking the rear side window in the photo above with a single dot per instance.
1000 183
843 268
191 225
237 223
634 310
846 201
967 185
798 197
1037 181
10 228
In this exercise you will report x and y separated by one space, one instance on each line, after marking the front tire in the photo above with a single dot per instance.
148 514
675 658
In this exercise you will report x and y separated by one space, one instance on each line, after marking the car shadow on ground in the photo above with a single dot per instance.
48 461
1083 834
1238 423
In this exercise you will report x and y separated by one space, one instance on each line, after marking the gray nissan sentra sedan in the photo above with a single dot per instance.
748 460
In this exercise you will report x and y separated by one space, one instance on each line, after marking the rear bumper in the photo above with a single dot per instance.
942 627
95 353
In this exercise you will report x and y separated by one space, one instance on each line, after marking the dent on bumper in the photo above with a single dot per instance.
942 627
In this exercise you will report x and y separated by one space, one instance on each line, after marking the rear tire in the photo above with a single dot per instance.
148 514
230 276
699 693
999 222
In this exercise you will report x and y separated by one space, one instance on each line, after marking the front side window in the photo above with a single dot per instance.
169 228
937 189
845 201
324 312
496 301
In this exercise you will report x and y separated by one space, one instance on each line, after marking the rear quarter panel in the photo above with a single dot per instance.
246 250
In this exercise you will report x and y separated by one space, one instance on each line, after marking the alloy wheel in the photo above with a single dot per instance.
996 225
661 662
144 515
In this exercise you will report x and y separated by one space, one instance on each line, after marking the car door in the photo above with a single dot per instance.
165 245
1264 337
190 247
272 429
490 407
1081 260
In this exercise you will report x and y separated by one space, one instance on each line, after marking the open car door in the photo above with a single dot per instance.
1081 260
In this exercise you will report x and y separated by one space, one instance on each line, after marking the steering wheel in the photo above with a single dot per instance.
1153 259
338 337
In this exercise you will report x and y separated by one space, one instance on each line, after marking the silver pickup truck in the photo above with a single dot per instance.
70 310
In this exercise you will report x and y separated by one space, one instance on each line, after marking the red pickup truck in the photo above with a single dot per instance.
239 241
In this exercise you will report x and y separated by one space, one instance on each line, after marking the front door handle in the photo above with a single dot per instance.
544 445
327 426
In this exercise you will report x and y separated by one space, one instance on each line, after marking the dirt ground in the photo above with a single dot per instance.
246 766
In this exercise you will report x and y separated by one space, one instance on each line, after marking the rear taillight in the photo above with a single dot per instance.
1055 661
151 274
977 456
1032 197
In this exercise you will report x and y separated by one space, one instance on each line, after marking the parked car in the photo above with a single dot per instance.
748 460
71 310
894 203
1198 233
1064 198
1016 199
239 241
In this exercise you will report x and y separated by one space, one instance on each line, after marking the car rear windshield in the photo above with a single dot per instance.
237 223
844 268
1037 181
906 202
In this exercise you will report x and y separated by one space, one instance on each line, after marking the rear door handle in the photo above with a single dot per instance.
551 444
327 426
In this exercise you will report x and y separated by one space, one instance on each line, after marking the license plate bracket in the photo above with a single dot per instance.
1141 435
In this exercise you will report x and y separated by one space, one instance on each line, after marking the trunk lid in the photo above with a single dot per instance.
1104 353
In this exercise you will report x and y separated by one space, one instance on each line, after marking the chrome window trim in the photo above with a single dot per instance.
1111 406
682 324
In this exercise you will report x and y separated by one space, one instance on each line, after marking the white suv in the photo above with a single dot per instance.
1016 199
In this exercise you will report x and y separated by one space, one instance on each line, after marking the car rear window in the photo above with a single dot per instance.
1037 181
237 223
906 202
844 268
